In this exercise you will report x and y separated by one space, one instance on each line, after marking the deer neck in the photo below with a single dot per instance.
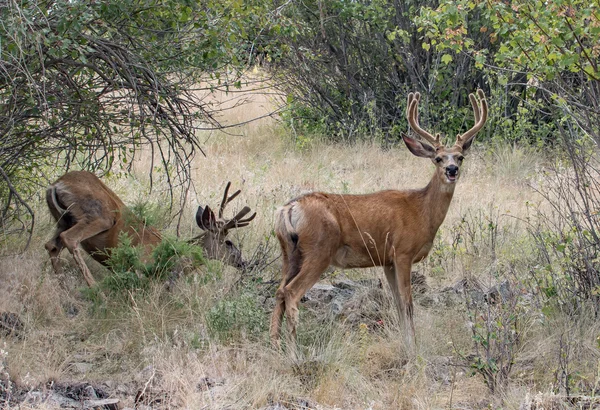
437 196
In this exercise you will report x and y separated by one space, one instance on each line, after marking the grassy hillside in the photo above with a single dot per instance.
204 343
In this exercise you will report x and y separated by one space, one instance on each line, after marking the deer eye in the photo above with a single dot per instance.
460 159
438 159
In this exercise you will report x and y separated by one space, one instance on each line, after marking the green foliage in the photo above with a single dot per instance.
170 259
141 212
237 316
351 65
126 257
544 39
567 235
169 253
547 53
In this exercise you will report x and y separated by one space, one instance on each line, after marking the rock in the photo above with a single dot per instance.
207 383
345 283
108 404
418 282
123 389
274 406
82 368
498 293
320 293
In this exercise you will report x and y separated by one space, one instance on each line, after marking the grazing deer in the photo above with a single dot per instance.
392 229
91 216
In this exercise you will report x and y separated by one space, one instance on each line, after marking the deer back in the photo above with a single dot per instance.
368 230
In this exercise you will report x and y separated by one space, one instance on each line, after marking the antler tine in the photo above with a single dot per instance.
226 199
475 106
235 221
411 97
413 119
480 110
247 220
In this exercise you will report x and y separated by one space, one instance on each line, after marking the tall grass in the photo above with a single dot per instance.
215 331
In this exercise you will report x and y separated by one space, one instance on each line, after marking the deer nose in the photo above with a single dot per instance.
452 170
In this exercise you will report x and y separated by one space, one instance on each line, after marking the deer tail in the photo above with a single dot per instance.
53 201
287 218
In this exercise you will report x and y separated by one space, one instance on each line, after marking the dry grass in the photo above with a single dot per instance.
163 341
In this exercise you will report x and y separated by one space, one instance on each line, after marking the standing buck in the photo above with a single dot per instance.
91 216
393 229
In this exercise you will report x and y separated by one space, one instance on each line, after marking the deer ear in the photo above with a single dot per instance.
205 218
467 144
418 148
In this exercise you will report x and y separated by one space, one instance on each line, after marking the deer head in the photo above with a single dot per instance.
447 159
213 240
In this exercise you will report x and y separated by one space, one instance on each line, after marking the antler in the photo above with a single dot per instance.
226 199
413 119
480 111
236 221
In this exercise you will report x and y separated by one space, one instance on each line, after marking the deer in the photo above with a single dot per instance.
392 228
90 216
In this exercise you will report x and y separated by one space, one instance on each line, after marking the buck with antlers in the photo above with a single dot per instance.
91 216
392 229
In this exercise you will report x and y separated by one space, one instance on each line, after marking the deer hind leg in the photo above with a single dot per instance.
398 277
292 261
309 273
279 310
54 246
81 231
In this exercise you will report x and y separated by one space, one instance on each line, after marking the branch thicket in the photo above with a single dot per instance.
86 85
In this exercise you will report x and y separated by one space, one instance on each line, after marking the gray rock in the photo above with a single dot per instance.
104 404
82 368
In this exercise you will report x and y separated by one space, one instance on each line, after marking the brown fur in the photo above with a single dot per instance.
392 229
90 214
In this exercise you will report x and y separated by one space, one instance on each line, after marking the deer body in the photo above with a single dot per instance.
392 229
94 203
368 230
90 216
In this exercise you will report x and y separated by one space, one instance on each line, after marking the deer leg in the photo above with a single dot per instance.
279 309
277 317
71 238
292 261
54 246
398 278
309 274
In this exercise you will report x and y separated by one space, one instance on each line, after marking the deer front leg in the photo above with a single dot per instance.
398 277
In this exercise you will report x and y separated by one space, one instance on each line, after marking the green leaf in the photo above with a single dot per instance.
446 59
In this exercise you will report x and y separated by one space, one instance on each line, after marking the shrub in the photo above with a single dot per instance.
237 316
129 272
567 234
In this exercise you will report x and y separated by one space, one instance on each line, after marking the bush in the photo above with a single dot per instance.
237 316
497 324
567 234
130 273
